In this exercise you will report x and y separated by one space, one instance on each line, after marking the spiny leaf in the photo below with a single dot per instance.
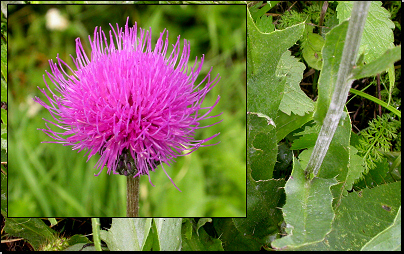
387 240
265 52
294 99
355 169
308 210
261 147
34 230
360 217
232 238
263 202
265 90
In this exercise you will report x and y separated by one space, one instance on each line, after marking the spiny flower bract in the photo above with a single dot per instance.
129 100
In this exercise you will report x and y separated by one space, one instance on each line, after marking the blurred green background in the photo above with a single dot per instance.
51 180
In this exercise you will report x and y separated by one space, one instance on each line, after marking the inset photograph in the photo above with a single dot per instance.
126 111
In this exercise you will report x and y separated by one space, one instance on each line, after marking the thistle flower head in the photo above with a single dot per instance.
136 106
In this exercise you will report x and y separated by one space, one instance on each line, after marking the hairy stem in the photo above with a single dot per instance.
342 86
132 196
96 233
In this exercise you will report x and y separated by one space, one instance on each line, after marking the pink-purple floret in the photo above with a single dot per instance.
129 97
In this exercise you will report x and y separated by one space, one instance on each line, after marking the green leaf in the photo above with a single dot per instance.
169 233
261 146
308 210
34 230
76 243
286 124
3 90
338 161
308 138
378 138
376 176
332 53
201 222
294 99
257 13
346 166
377 35
394 159
53 221
3 193
269 120
264 199
152 242
264 24
127 233
312 47
232 238
195 238
379 65
3 69
360 217
387 240
355 169
263 54
3 134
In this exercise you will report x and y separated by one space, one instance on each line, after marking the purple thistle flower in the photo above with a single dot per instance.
133 105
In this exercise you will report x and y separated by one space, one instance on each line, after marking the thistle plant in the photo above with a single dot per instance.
130 103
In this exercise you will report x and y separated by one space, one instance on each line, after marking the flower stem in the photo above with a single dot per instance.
96 233
132 196
342 86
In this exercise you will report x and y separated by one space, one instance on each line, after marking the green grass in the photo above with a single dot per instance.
51 180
